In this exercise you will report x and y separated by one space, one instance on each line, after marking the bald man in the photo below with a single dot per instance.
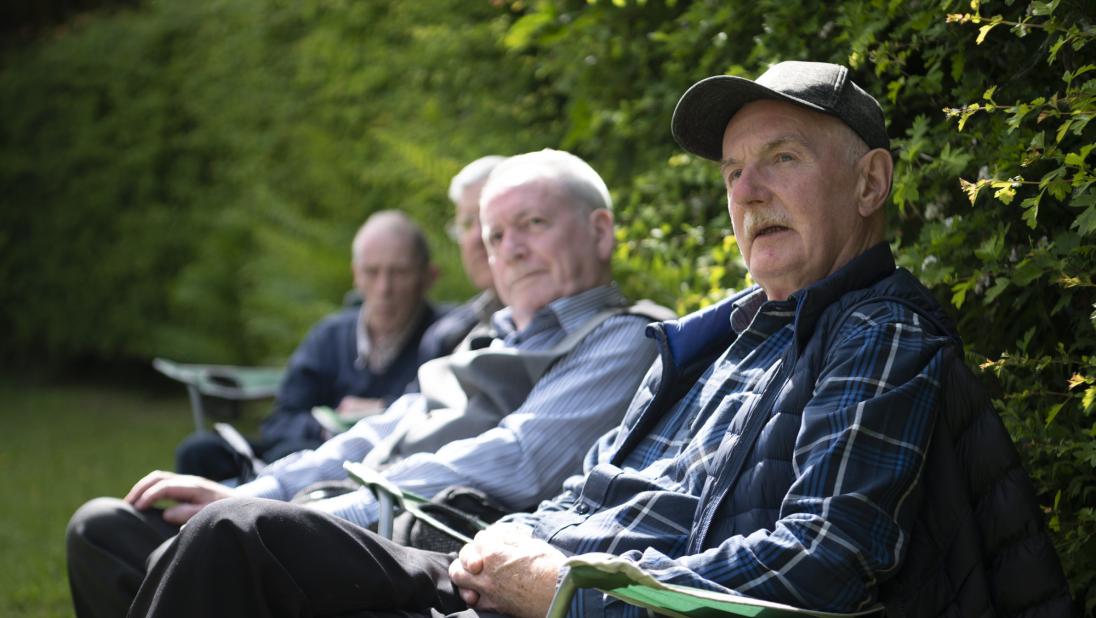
356 360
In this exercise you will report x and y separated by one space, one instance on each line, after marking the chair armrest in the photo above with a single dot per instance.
233 382
390 497
229 382
626 581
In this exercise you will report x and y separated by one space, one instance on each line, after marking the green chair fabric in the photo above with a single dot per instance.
627 582
231 382
391 498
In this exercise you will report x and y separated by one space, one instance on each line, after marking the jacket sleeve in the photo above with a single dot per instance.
857 461
308 382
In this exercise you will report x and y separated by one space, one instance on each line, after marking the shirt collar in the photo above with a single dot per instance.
568 313
860 272
379 358
744 309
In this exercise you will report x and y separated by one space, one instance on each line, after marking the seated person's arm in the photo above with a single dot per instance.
857 459
185 494
533 449
505 570
285 477
308 382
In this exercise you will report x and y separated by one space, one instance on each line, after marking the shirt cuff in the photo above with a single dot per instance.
263 487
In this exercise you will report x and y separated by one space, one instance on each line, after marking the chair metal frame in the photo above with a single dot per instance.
230 382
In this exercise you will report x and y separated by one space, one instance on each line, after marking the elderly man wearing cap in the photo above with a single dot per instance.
775 449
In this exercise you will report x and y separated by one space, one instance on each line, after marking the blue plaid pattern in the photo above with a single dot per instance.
856 458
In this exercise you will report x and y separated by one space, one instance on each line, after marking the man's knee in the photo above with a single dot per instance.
96 521
230 516
111 528
234 528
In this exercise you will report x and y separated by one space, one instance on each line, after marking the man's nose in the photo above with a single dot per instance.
512 246
750 187
384 282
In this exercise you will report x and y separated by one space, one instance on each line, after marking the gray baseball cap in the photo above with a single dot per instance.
707 106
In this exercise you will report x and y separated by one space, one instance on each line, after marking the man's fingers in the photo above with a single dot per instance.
508 533
470 559
165 489
181 513
464 582
149 480
470 597
183 488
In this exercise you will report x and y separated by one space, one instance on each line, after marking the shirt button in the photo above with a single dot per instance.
581 508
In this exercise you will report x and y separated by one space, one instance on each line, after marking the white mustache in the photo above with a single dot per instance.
755 221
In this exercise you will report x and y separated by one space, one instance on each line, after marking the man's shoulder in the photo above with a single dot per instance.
650 311
342 317
615 313
447 331
898 297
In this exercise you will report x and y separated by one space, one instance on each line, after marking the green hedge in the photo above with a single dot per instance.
184 178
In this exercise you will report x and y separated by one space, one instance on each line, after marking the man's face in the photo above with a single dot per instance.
541 248
470 238
791 190
391 278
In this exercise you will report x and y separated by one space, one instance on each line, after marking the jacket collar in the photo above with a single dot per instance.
691 335
861 272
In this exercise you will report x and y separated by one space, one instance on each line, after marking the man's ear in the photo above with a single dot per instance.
359 283
430 276
601 223
874 181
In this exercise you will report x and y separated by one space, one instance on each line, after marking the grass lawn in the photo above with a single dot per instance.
61 445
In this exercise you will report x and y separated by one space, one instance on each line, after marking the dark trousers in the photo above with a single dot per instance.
251 557
207 454
107 543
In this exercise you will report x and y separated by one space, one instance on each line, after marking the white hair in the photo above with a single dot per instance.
569 172
473 173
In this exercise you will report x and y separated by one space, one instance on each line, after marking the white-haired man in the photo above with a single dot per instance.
359 359
464 192
776 449
568 354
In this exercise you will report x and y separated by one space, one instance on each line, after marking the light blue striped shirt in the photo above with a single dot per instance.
526 457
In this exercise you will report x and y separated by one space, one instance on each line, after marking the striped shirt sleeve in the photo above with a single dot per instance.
527 456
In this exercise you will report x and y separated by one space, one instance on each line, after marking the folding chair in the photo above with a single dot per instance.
391 498
229 382
625 581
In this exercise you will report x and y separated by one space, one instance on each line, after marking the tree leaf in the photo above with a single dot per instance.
1052 413
1085 223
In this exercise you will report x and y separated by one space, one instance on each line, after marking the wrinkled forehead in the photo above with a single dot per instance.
508 203
765 122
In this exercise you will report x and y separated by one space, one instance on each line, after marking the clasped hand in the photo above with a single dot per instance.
190 494
505 570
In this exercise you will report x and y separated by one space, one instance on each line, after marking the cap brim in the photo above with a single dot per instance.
702 113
